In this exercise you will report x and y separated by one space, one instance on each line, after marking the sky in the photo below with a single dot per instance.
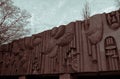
47 14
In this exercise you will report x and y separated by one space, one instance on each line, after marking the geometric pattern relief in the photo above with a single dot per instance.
111 52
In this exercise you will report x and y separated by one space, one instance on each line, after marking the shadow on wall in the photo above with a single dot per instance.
42 77
30 77
8 77
57 77
98 77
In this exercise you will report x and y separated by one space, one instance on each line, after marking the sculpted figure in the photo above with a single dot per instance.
21 51
59 37
95 31
113 20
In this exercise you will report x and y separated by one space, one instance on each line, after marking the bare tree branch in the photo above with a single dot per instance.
13 21
86 11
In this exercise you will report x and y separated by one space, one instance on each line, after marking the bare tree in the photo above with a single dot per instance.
86 11
117 3
13 21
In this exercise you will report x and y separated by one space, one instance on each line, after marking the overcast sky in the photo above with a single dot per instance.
50 13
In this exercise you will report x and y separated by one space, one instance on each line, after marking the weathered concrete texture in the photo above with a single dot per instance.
83 46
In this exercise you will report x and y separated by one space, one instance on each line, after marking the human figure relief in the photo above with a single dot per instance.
59 38
113 20
95 30
94 35
18 55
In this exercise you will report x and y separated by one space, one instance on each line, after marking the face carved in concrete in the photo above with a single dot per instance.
113 20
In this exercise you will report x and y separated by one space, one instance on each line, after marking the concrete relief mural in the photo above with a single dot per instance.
61 38
71 48
95 30
54 43
111 52
113 20
94 35
19 57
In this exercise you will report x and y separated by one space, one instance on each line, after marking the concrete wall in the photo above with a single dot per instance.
73 48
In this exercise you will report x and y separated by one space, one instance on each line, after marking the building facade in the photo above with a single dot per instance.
90 46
